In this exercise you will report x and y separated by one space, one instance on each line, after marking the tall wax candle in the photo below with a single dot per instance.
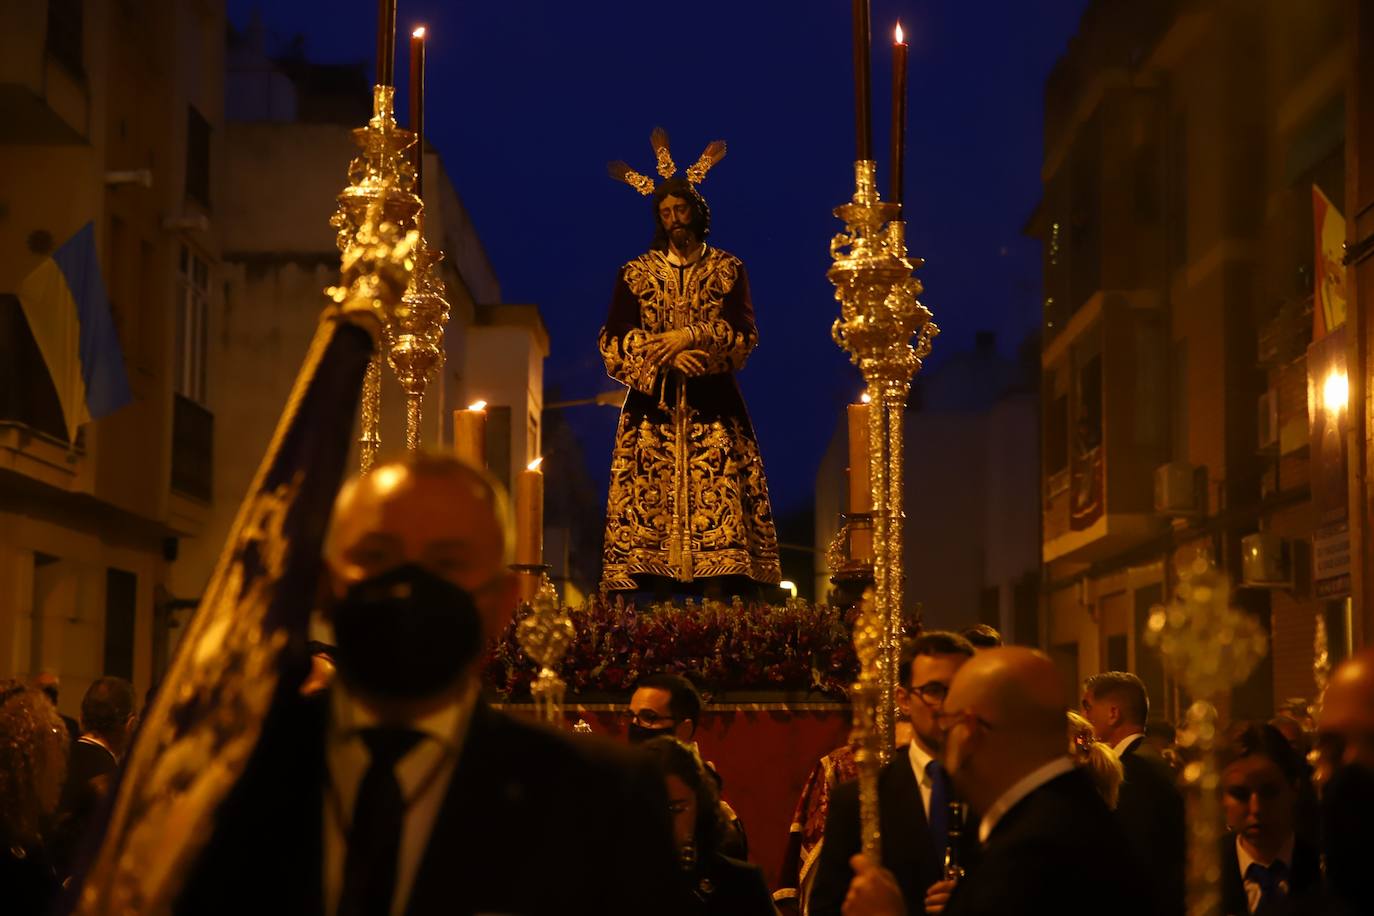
417 105
860 492
899 49
863 98
386 42
470 434
529 516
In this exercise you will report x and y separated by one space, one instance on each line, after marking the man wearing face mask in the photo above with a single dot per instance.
398 791
1345 778
669 705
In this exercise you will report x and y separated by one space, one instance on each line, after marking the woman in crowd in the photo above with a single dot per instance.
1097 758
33 766
1265 866
719 884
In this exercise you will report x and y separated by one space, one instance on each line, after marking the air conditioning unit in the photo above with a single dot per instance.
1266 561
1176 489
1268 416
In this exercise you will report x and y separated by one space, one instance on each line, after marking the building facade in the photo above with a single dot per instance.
971 537
1190 408
114 117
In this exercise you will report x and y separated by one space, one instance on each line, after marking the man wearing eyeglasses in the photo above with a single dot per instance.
669 705
1049 842
914 792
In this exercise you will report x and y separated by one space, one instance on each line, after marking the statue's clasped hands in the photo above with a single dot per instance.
671 348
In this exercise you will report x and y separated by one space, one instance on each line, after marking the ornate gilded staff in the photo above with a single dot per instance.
866 698
384 174
545 636
1209 647
887 333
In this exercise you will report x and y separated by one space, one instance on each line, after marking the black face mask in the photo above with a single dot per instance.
1347 798
638 734
405 634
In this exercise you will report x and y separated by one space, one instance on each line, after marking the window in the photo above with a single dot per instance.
66 28
193 308
197 157
121 607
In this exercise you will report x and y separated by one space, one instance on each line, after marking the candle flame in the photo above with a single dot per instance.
898 35
418 33
534 465
865 398
478 405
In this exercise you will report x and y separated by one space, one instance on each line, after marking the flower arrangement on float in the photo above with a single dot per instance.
793 648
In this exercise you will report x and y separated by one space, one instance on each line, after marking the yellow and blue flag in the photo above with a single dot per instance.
64 300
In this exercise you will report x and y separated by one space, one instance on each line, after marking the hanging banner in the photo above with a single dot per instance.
1328 294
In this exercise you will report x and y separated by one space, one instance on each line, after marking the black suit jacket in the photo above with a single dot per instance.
1057 851
1150 810
908 848
1304 878
534 821
81 800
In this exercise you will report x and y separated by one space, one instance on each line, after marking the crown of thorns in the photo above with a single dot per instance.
714 152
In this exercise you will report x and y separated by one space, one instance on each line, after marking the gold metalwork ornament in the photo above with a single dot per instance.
1209 647
887 333
666 167
866 698
415 337
383 175
545 636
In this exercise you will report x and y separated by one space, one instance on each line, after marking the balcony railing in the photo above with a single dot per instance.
193 449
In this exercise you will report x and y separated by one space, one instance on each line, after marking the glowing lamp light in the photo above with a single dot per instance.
534 465
1335 392
898 35
788 586
478 405
418 33
865 398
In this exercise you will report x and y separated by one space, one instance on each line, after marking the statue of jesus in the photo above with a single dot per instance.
688 499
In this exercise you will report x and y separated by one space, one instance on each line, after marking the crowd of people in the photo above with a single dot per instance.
383 784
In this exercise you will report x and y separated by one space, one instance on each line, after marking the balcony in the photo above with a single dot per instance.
43 82
193 449
1105 428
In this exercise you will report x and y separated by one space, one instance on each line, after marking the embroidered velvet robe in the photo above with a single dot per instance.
688 498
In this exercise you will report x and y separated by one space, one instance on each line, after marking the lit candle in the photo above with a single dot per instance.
860 493
863 108
529 516
899 49
470 434
386 42
417 105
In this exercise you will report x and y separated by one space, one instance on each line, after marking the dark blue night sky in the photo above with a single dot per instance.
527 101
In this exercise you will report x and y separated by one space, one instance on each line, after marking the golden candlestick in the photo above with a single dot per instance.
1209 647
866 698
415 341
383 176
545 636
887 334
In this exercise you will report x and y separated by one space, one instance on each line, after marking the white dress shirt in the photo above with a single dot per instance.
426 768
1252 888
1019 790
919 760
1127 742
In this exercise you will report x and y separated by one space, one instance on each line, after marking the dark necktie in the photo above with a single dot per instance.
1271 883
939 805
374 834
